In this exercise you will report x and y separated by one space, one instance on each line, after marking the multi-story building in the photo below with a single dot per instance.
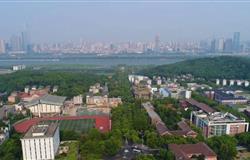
41 142
46 105
97 99
2 46
218 123
77 100
18 67
236 42
225 97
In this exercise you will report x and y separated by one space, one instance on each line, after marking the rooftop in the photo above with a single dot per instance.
219 117
201 106
223 95
150 110
41 130
185 151
47 99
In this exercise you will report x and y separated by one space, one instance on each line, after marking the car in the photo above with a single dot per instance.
137 150
126 151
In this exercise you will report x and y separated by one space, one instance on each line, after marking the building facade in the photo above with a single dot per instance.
46 105
41 142
218 123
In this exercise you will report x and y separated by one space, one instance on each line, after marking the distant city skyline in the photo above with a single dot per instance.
121 22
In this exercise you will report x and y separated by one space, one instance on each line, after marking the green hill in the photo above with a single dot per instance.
215 67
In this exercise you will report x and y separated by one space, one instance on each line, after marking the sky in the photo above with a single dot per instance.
121 20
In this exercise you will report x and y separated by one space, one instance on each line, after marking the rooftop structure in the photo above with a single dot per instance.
187 151
41 130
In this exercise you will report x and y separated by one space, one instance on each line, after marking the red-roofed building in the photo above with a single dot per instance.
200 106
102 123
188 151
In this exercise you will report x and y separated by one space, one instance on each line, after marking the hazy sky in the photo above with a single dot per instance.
124 21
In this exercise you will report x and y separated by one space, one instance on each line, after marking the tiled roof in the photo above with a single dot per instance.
185 151
201 106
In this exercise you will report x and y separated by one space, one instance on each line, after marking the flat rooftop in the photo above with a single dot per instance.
219 117
41 130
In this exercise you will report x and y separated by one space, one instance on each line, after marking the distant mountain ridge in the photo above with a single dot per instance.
214 67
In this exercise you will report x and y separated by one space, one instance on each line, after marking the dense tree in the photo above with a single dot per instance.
11 148
224 146
244 139
145 157
209 68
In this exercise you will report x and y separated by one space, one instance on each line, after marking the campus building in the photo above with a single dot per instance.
46 105
218 123
41 142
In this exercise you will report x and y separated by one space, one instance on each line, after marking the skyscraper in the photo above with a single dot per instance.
2 46
25 41
157 43
236 42
213 46
221 45
16 43
228 46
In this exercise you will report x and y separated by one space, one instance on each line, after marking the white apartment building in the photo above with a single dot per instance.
41 142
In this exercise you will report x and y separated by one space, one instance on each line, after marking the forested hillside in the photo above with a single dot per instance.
216 67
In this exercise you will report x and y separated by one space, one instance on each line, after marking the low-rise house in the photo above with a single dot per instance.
55 89
13 97
46 105
41 142
190 151
218 123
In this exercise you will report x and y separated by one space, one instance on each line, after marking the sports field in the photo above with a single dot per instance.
80 125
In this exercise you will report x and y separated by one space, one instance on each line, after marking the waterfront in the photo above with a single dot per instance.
102 61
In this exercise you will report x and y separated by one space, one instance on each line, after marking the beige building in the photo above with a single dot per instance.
47 105
102 103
